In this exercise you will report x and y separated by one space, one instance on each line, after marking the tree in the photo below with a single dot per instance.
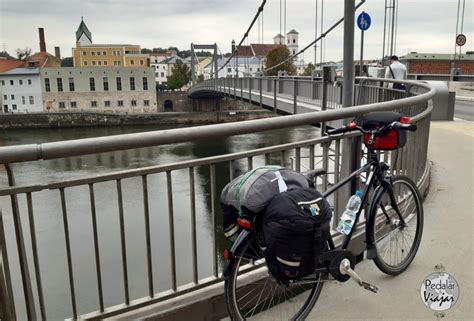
146 51
5 54
67 62
308 71
276 56
24 53
179 77
200 78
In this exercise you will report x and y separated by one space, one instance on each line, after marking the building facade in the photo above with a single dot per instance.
431 63
20 91
87 54
99 89
240 66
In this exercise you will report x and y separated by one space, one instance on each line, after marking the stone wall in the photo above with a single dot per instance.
57 120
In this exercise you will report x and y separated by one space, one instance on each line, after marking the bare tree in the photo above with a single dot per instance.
24 53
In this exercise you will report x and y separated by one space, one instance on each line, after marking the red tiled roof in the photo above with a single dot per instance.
9 64
40 58
245 51
262 50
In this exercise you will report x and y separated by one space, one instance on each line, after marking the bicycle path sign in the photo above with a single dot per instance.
364 21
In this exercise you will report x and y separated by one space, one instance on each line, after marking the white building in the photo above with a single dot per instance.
245 66
164 68
20 91
292 41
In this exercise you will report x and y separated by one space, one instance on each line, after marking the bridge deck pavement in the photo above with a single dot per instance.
447 239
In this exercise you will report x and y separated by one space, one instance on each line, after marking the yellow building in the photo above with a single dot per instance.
87 54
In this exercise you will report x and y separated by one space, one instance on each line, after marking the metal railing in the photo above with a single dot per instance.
179 179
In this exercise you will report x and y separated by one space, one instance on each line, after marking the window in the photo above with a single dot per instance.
98 53
93 63
104 53
134 103
119 83
105 63
146 103
60 84
3 82
12 97
229 69
99 63
118 52
92 84
14 107
73 104
62 104
11 82
132 83
32 100
145 83
294 40
84 53
93 53
23 100
20 81
93 103
29 81
85 63
5 108
120 103
288 40
71 84
106 84
107 103
162 74
141 62
157 74
132 62
47 86
5 97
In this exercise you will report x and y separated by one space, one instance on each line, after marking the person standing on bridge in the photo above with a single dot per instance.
396 70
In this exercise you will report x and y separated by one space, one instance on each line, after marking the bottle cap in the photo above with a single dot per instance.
358 193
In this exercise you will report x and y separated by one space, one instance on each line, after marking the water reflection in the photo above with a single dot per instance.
49 224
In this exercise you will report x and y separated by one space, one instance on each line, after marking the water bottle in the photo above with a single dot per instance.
348 217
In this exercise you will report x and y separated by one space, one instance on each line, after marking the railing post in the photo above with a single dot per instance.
324 99
242 89
260 87
250 90
7 306
25 274
275 82
295 95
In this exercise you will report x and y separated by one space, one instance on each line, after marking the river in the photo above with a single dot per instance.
49 222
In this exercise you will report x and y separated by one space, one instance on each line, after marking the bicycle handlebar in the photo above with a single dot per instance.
352 127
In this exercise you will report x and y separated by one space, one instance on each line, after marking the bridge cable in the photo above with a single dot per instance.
314 41
260 10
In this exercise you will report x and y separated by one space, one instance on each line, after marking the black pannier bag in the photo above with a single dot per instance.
391 140
295 234
249 194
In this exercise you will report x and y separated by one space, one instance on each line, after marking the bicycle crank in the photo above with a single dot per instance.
345 269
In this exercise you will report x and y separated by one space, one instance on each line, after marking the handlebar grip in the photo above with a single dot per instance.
409 127
339 130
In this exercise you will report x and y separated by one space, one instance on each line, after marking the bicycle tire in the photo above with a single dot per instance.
386 226
273 305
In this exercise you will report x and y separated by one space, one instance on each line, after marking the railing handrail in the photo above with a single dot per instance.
85 146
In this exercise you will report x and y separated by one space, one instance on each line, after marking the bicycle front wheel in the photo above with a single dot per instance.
252 293
397 240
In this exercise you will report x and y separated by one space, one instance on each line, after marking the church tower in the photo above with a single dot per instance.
292 41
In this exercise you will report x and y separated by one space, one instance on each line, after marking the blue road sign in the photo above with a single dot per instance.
364 21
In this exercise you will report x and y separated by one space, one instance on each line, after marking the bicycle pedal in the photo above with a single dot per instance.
345 268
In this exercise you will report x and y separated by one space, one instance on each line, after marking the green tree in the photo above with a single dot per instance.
308 71
67 62
276 56
179 77
24 53
146 51
200 78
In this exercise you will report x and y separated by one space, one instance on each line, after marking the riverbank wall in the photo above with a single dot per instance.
84 119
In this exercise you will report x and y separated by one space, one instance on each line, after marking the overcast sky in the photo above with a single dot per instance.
423 25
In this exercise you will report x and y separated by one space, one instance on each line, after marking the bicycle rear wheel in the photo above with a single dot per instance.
251 293
397 243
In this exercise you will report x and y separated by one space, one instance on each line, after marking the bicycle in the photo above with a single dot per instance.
393 228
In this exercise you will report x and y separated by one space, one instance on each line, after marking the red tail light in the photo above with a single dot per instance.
227 254
405 120
352 125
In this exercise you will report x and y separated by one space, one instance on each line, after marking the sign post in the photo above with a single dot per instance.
363 22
